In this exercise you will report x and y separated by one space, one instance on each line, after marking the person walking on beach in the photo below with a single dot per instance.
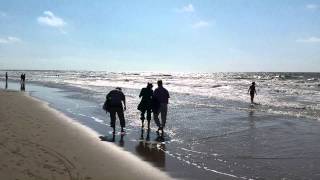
116 105
146 103
22 81
6 80
161 96
252 91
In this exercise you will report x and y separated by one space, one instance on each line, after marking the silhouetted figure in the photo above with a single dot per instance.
161 99
22 82
252 91
6 80
116 105
146 103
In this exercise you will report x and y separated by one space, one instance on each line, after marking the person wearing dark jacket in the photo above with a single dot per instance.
145 106
116 104
161 96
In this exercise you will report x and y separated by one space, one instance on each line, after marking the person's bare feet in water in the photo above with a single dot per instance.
122 131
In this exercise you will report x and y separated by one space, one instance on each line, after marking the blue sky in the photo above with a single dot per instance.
167 35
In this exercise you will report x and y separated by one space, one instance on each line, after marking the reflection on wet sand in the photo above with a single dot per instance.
152 151
252 134
113 139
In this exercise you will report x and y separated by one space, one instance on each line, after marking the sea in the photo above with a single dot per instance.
212 131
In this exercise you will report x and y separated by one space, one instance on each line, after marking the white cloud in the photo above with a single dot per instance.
201 24
312 6
188 8
309 40
49 19
9 40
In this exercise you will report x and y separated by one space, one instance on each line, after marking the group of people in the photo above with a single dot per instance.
155 102
22 81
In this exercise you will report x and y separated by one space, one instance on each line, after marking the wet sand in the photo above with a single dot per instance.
37 142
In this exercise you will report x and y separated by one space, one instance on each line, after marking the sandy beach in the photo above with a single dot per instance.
37 142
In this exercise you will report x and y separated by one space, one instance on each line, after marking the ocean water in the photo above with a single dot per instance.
212 130
295 94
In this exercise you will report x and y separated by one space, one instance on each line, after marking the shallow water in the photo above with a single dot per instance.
206 137
294 94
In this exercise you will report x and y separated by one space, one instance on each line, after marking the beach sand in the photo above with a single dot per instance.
37 142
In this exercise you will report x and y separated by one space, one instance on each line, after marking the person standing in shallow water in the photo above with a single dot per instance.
116 105
161 96
252 91
22 81
146 103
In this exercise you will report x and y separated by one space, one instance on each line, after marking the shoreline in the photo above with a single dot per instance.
37 141
224 143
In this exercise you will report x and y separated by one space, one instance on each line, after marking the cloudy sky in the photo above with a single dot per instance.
166 35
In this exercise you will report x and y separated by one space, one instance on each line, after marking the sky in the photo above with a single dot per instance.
161 36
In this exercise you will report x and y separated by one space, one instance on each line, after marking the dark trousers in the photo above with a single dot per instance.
116 110
163 111
148 111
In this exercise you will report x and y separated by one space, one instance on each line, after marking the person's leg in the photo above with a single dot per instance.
121 118
156 118
113 119
164 110
142 117
252 97
148 117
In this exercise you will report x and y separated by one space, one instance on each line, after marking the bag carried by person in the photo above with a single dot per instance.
141 106
106 105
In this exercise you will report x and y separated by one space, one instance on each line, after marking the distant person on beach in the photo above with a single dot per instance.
6 80
161 99
116 104
22 78
22 81
146 103
252 91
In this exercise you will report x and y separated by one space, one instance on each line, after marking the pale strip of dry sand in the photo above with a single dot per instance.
37 142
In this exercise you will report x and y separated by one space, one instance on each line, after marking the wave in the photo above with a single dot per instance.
287 92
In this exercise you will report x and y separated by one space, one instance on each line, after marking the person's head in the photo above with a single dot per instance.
118 88
159 83
253 83
149 85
